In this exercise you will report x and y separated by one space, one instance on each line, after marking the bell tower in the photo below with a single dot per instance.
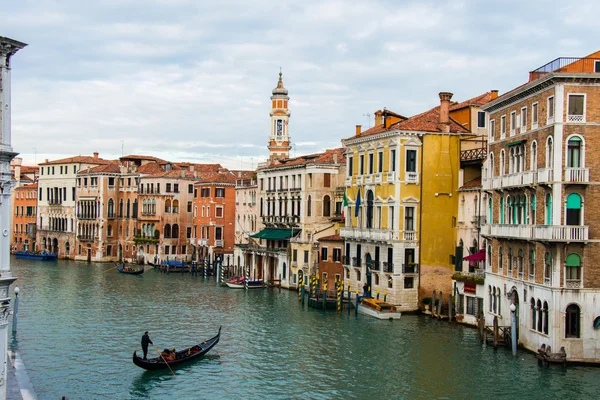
279 139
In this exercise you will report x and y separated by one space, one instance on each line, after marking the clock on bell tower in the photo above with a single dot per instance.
279 139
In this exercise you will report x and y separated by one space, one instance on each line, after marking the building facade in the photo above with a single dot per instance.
542 245
25 216
246 215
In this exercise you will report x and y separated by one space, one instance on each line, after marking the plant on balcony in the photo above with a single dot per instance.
139 240
478 280
157 234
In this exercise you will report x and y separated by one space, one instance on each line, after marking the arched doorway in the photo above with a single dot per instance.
67 248
140 255
120 252
515 300
369 261
54 246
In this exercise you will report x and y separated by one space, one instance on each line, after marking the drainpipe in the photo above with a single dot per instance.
421 209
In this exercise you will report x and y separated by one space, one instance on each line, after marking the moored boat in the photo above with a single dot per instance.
128 270
378 309
36 256
239 283
181 357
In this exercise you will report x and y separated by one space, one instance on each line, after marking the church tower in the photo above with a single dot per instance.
279 140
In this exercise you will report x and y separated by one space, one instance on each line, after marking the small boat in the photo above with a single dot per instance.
36 256
174 266
128 270
546 357
181 357
239 283
378 309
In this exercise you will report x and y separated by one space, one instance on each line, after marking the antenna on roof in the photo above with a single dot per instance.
34 156
368 115
122 154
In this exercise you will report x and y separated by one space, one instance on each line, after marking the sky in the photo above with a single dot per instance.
189 80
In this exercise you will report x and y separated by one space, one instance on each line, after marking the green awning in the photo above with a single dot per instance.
573 260
275 234
514 143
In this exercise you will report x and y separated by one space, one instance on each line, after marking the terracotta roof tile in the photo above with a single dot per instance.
149 169
25 187
78 159
472 184
147 158
327 157
109 168
332 238
475 101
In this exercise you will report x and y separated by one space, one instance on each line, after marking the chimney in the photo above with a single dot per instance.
195 175
335 159
191 168
46 160
444 122
378 119
183 173
494 94
96 154
358 130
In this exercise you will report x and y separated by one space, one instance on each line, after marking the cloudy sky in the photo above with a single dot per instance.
190 80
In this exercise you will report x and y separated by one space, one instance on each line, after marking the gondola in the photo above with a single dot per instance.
183 356
132 271
36 256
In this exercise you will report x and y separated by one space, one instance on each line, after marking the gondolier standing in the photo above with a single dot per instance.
145 341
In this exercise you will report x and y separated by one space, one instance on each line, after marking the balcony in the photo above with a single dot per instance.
410 268
218 243
346 260
375 265
388 267
478 220
85 238
359 180
391 177
356 262
409 236
577 175
572 283
486 183
378 178
368 179
411 177
561 233
366 234
545 175
514 179
200 242
348 181
576 118
509 231
529 178
497 182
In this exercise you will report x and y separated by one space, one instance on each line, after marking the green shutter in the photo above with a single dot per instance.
574 201
573 260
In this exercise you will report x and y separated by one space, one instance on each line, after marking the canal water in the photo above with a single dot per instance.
79 324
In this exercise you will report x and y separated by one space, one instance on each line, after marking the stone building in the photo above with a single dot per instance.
541 175
25 215
246 214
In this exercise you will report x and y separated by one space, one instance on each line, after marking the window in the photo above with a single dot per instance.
532 311
371 163
362 164
176 187
350 165
370 200
503 127
523 119
219 212
573 314
409 218
409 282
492 129
295 255
218 233
411 160
548 209
576 108
168 189
500 259
471 305
191 188
337 255
326 180
481 119
189 206
513 122
309 206
380 162
306 256
550 109
534 115
574 209
326 206
548 269
219 192
573 271
596 66
324 253
393 160
574 152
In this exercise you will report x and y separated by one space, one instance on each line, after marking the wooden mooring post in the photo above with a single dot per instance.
439 310
495 332
433 305
450 305
481 326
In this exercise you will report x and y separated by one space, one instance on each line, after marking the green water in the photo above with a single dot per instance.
79 324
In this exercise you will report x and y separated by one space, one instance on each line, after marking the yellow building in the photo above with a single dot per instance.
401 184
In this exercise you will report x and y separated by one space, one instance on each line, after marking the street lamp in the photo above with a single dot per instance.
16 310
513 327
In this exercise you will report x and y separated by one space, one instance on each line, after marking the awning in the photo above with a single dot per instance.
479 256
515 143
275 234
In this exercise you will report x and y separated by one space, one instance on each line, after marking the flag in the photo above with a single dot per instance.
357 203
344 204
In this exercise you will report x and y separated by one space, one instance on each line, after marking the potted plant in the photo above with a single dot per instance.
426 302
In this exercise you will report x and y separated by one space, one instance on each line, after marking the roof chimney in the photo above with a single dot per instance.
96 154
192 168
494 94
358 130
445 98
378 119
335 157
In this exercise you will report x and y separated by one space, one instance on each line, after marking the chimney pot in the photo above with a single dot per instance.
335 158
358 130
494 94
95 154
378 118
445 98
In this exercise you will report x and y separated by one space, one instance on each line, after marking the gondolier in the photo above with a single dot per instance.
145 341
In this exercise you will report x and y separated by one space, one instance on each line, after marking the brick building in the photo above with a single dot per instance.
541 175
25 206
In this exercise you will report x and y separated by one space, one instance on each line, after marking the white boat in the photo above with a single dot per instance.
378 309
258 284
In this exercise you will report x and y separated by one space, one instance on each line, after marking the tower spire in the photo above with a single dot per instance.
279 140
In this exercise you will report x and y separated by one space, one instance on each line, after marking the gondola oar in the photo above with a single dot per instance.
110 269
161 356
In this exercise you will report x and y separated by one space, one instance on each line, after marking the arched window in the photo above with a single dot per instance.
121 208
175 206
546 315
548 269
510 260
532 265
574 209
490 211
492 172
111 208
572 325
109 230
144 206
175 231
494 299
326 206
153 206
370 199
520 262
549 153
134 212
262 211
548 209
168 206
309 206
490 294
533 313
128 207
532 211
500 259
573 271
540 316
502 162
167 231
533 161
501 211
574 152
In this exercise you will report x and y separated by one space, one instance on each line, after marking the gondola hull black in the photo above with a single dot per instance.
156 363
132 272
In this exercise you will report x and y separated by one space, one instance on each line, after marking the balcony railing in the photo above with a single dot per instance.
573 283
577 175
510 231
348 181
368 179
529 177
514 179
359 180
545 175
548 281
575 118
85 238
218 243
409 235
391 177
561 233
375 265
412 177
486 183
356 262
410 268
112 216
388 267
378 178
369 234
346 260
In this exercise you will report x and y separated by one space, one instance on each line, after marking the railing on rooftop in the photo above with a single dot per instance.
473 154
565 65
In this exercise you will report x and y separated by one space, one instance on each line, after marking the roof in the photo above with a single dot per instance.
331 238
29 169
327 157
78 159
224 177
472 184
25 187
108 168
475 101
138 157
199 167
